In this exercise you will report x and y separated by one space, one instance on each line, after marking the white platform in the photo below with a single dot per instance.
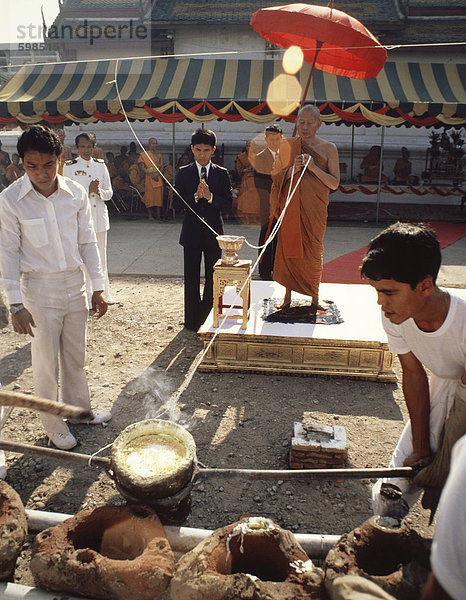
356 303
355 348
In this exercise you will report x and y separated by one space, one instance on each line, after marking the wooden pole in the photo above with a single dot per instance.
35 403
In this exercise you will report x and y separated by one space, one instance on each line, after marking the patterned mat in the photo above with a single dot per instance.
301 311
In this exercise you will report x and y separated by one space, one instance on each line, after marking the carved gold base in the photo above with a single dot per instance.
355 348
298 356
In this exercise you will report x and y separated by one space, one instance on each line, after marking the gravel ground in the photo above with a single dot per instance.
138 355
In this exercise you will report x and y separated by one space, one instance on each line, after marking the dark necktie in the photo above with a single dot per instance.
203 173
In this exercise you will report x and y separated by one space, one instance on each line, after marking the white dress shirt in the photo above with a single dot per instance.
45 235
207 168
84 171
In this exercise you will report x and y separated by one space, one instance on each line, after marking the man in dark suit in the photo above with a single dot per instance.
205 189
263 181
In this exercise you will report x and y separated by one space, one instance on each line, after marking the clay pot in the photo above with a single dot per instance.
157 485
171 510
13 529
395 558
109 553
254 559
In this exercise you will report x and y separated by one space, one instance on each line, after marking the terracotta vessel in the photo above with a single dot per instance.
396 558
109 553
253 558
13 529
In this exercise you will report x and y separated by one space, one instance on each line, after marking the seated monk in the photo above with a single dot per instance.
137 176
14 170
370 165
402 170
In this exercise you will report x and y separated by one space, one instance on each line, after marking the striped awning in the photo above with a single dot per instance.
171 89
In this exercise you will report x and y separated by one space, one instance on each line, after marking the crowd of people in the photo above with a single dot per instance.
53 266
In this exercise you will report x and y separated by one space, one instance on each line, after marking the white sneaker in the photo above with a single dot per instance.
111 300
63 441
2 465
98 417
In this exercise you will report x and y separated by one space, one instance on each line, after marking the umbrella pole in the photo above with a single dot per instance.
318 47
173 162
382 137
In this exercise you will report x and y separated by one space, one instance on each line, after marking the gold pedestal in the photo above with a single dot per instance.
297 356
355 348
232 275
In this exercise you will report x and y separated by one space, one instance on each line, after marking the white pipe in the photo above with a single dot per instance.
15 591
184 539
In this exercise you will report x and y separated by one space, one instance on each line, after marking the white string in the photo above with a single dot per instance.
115 81
174 398
89 462
274 232
229 53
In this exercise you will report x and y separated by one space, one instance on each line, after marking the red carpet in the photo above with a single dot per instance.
345 269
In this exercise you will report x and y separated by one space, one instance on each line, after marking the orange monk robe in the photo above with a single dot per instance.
13 172
300 243
153 191
137 178
248 197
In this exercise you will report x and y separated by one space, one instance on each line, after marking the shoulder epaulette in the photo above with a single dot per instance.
99 160
72 161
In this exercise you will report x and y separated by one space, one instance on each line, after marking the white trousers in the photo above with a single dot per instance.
59 308
442 394
102 247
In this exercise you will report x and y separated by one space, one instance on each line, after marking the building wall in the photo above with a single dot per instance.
245 41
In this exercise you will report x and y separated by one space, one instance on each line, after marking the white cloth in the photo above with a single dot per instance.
57 303
45 235
449 544
84 171
443 352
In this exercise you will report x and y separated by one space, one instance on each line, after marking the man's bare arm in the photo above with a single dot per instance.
415 387
331 178
434 591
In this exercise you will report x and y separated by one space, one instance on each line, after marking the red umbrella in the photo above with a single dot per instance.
330 39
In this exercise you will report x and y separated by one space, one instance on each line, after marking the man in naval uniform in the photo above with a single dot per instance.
93 175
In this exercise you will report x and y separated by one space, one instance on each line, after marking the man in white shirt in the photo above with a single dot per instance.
46 237
93 175
426 327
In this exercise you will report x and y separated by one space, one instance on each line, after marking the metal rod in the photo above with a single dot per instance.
184 539
16 591
61 455
43 404
263 474
311 473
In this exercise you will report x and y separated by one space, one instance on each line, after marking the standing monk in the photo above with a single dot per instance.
300 245
153 195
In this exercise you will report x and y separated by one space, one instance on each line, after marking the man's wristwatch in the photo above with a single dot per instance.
196 196
16 308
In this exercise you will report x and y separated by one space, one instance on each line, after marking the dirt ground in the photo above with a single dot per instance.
138 355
